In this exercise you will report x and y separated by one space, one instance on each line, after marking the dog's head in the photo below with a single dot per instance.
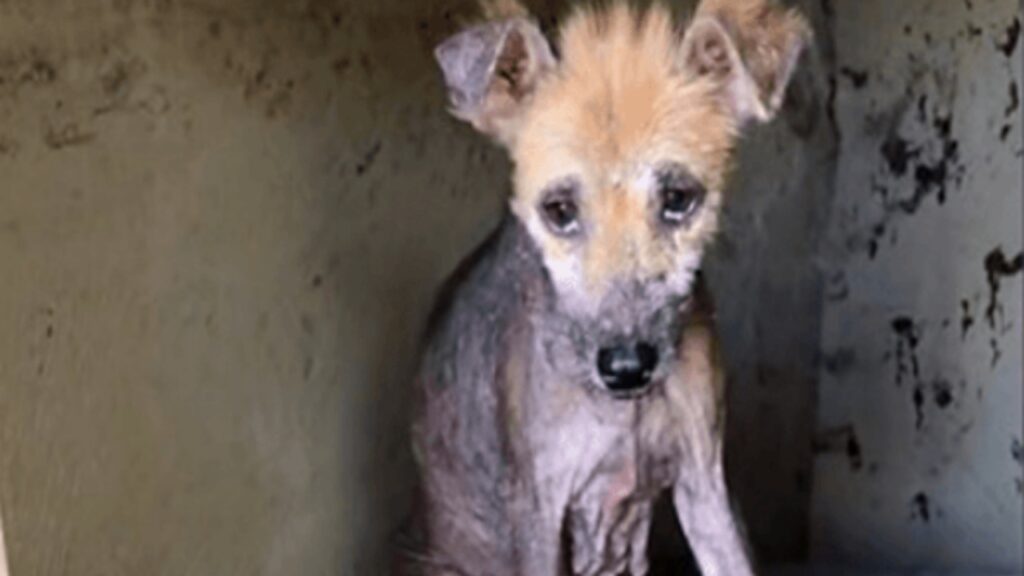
621 146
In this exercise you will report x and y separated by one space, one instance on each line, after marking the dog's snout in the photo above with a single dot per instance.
627 367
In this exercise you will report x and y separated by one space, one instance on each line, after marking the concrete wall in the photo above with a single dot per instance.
221 224
920 458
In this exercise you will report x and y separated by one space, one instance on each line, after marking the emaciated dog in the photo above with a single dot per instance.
570 375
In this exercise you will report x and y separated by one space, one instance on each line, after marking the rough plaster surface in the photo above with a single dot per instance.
221 224
919 459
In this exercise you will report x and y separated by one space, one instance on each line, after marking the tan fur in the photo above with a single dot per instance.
620 103
766 37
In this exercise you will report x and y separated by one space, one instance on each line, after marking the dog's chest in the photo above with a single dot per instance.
610 508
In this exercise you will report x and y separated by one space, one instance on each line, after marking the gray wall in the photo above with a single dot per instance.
221 224
920 458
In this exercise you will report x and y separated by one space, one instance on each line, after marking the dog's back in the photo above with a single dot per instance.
462 433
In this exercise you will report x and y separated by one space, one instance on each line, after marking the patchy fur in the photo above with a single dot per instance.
531 464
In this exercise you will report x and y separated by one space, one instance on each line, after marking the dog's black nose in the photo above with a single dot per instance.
628 367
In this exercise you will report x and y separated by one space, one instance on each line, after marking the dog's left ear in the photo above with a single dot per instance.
491 71
748 48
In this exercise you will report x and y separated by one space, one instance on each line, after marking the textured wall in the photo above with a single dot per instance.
920 458
221 223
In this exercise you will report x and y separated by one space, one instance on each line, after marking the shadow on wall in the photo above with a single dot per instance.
768 292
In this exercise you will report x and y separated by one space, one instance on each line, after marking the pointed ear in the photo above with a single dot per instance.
491 71
749 49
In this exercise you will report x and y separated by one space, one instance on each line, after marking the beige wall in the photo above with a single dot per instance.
221 223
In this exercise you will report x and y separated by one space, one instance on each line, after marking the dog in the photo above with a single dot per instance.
570 373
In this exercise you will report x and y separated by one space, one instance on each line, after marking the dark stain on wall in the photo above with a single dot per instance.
858 78
933 177
942 393
966 318
1011 108
66 136
117 83
993 344
853 451
897 153
908 336
841 440
918 399
1008 44
877 234
27 69
368 158
1014 99
932 162
997 267
972 31
920 508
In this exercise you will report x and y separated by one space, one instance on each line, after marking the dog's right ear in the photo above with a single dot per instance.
491 71
749 49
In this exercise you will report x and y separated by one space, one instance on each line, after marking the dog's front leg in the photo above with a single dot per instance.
539 515
638 562
711 527
540 549
699 493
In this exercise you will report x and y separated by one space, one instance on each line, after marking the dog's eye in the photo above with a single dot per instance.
560 210
679 196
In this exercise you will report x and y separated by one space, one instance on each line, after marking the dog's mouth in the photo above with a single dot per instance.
633 393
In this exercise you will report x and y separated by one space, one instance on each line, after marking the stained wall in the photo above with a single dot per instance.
919 458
